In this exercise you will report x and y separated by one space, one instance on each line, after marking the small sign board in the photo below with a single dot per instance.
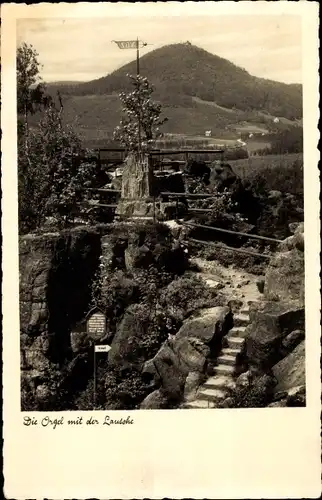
102 348
96 324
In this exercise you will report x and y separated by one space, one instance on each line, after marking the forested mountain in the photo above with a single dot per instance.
198 90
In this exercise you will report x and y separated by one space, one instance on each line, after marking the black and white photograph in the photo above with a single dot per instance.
161 213
160 191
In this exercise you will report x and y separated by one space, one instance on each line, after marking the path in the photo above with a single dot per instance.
235 285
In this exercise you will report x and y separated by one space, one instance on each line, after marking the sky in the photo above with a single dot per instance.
81 49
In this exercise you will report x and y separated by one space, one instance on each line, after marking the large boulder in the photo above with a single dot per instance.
271 322
195 168
181 363
208 325
284 279
290 371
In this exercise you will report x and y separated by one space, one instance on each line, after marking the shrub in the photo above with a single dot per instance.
185 295
258 394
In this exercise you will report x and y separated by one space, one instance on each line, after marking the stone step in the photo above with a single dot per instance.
241 319
226 359
237 331
230 351
211 394
220 381
224 370
199 404
236 342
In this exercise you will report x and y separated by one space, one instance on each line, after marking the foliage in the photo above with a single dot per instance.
284 142
140 125
50 169
116 389
286 177
258 394
50 173
30 90
185 295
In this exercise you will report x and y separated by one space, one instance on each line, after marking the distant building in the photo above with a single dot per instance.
208 133
276 120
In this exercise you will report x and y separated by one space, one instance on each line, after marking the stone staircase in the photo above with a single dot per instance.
217 387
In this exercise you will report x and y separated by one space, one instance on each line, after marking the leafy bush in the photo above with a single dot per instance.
258 394
185 295
116 389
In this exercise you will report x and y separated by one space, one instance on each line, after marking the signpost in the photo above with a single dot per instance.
96 329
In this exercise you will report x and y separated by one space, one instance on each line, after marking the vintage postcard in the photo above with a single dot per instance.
160 200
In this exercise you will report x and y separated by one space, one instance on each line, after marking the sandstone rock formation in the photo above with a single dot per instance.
56 271
275 337
284 279
270 325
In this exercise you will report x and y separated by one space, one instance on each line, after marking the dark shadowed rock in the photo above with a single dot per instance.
296 396
165 181
56 272
222 176
260 283
292 340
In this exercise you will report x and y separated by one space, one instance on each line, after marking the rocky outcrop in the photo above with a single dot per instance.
195 168
56 271
180 366
275 337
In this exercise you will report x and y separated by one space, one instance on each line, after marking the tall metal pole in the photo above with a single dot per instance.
137 57
94 402
139 110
